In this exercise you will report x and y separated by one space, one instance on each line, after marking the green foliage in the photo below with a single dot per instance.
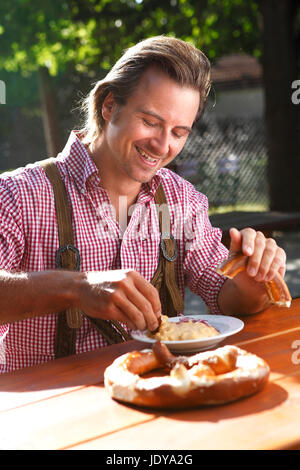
35 34
91 34
86 37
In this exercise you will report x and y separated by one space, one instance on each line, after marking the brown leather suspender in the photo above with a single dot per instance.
68 257
164 278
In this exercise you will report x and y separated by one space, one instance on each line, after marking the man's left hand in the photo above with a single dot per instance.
246 293
266 258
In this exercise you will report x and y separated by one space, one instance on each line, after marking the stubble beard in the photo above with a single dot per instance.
131 173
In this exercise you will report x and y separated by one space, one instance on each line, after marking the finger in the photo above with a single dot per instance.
105 308
116 314
236 240
249 237
242 241
277 265
269 264
144 307
129 310
282 271
131 296
254 262
148 291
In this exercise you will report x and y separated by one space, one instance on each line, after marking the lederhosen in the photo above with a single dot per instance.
68 257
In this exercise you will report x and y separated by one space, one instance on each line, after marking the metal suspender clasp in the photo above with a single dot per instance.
64 248
168 236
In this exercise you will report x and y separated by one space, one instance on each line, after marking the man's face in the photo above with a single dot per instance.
150 129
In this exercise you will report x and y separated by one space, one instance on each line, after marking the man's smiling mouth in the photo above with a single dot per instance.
146 157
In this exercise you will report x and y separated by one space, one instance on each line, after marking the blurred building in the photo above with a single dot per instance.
237 87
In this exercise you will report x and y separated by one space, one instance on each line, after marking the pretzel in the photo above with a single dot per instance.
207 378
277 289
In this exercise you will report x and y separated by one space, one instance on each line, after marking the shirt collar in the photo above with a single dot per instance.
79 162
83 169
148 190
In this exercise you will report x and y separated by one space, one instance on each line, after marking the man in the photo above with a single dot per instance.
137 120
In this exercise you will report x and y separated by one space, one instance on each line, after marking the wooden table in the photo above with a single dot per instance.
64 405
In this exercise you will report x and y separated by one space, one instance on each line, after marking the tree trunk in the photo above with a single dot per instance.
50 114
282 116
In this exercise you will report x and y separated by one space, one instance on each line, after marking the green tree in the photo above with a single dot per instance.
40 37
50 36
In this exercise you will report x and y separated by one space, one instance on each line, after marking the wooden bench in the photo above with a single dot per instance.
266 222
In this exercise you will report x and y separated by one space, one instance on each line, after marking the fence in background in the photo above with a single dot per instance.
226 159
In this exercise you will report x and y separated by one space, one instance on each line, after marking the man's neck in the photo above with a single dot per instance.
121 189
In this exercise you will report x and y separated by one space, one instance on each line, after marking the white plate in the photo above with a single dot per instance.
227 326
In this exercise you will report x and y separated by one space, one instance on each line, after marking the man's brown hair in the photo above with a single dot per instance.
180 60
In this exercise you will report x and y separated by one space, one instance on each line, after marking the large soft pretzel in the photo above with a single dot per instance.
277 289
207 378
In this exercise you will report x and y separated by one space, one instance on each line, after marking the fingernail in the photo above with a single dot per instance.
154 327
248 250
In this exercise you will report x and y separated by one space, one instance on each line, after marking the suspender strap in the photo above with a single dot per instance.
164 278
68 257
111 330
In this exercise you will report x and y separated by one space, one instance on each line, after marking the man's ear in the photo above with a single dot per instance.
108 106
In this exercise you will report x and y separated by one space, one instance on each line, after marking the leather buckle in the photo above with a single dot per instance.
165 236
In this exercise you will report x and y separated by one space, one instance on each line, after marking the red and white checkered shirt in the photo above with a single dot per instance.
29 240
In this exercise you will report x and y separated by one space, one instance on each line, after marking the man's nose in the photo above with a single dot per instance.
160 144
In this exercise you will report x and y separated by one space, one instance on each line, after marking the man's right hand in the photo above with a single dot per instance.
121 295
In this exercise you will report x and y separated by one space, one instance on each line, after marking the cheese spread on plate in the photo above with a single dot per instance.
185 329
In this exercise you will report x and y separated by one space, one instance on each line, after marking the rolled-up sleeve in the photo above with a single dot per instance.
11 237
11 234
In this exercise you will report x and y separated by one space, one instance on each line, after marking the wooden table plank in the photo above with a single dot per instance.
277 351
57 377
268 420
72 371
66 420
271 321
